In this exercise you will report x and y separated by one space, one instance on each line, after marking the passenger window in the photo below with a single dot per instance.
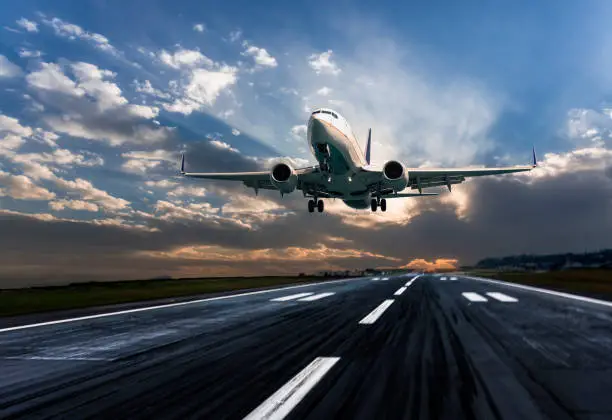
334 115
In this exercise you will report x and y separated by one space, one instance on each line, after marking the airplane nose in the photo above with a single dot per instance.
318 128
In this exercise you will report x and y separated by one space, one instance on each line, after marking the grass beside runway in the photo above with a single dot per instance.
595 283
84 295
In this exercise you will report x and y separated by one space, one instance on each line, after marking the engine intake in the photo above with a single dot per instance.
283 177
395 175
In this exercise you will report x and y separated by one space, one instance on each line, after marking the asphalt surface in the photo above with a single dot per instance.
386 348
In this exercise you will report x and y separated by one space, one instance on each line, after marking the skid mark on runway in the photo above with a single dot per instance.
377 312
501 297
280 404
316 297
474 297
291 297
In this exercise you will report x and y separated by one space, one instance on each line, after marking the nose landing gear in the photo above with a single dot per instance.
378 202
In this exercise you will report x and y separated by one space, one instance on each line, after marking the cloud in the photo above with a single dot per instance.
199 27
20 187
92 106
298 132
260 55
28 25
12 125
235 132
187 191
148 89
73 205
223 145
201 89
140 162
235 36
50 77
71 31
25 53
86 191
7 69
431 266
324 91
323 64
184 59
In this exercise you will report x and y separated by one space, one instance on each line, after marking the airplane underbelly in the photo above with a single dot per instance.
357 204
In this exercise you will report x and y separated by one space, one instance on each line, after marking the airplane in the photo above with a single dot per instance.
345 172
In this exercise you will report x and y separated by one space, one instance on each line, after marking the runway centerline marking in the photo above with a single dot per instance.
170 305
453 278
474 297
443 278
375 278
290 297
280 404
409 283
316 297
501 297
377 312
400 291
385 278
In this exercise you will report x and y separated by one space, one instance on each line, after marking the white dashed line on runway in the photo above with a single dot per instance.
316 297
453 279
290 297
376 313
443 278
400 291
501 297
474 297
280 404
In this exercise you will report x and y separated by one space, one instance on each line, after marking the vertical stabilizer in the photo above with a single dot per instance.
367 151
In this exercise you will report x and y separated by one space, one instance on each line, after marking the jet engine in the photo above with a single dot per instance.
284 178
396 175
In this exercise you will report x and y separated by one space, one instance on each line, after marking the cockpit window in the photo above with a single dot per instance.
333 114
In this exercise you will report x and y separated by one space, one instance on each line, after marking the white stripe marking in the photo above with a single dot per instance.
280 404
376 313
290 297
385 278
400 291
443 278
170 305
375 278
501 297
88 359
474 297
408 284
546 291
453 278
316 297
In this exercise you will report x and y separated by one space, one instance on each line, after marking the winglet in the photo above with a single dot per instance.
182 163
367 153
535 161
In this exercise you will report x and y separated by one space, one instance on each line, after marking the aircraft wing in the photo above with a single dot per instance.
419 178
257 180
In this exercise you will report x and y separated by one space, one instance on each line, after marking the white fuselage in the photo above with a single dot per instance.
335 147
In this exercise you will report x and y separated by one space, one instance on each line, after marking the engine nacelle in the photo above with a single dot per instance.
396 175
284 178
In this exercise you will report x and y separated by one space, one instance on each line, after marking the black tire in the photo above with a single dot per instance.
383 205
311 206
320 206
374 204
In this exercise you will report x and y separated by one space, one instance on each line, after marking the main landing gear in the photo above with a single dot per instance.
377 202
318 204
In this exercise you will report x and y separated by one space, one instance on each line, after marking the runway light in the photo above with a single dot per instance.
350 179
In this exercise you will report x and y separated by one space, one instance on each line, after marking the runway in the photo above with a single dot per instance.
434 346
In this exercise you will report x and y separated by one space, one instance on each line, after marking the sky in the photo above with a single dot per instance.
99 99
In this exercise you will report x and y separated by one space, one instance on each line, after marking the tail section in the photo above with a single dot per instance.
535 162
368 146
182 164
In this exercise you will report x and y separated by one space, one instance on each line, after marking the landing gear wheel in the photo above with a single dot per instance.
320 206
383 205
374 204
311 206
